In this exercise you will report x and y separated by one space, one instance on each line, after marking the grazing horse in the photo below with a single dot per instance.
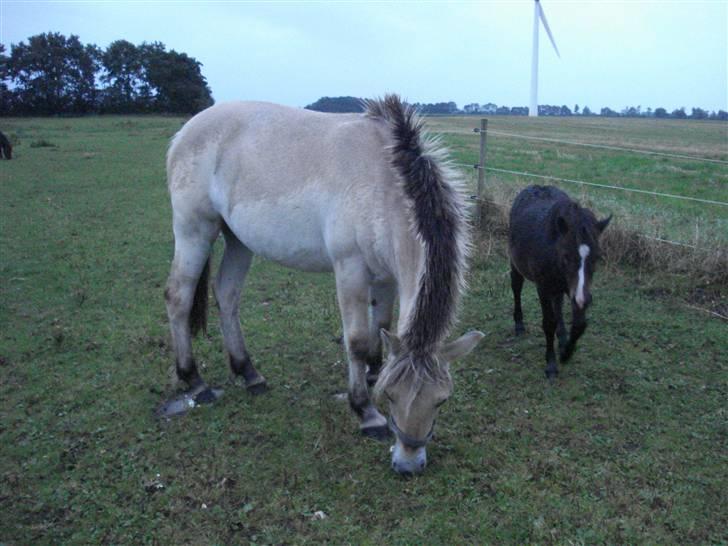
6 148
368 196
554 243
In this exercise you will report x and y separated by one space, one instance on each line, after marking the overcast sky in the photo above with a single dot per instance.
613 53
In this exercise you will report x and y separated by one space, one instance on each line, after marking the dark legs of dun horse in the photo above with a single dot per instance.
228 285
186 297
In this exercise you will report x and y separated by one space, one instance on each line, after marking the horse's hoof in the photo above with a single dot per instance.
187 401
257 385
372 379
520 330
380 433
552 374
566 354
257 388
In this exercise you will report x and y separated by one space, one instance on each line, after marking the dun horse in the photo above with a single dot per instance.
367 196
554 243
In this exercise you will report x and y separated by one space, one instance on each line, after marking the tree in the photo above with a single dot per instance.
699 113
175 81
124 78
53 74
586 111
660 113
576 109
337 104
5 94
608 112
565 111
679 113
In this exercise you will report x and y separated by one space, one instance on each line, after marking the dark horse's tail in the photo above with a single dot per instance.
198 313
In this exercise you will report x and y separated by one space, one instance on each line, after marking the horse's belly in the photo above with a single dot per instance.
290 234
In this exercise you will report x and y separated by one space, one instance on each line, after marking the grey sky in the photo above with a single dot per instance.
616 54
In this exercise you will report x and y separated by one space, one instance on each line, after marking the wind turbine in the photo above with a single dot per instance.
538 14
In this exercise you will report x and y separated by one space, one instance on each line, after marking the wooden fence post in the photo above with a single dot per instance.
481 167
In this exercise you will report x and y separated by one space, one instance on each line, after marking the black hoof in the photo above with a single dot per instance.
566 353
372 379
552 374
379 433
520 329
258 388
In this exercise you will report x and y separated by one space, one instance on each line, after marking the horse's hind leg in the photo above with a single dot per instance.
517 286
381 305
228 284
549 327
187 289
352 290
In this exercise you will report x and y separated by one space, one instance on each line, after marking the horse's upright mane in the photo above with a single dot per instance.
438 216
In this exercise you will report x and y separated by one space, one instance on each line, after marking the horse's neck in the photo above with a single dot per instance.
409 263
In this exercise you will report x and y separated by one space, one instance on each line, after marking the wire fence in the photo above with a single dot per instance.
481 168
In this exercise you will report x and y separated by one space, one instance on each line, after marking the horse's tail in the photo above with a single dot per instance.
439 218
198 313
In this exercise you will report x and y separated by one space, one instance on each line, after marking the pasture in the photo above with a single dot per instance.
629 445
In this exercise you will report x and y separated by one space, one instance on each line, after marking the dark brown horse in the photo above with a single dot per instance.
554 243
6 149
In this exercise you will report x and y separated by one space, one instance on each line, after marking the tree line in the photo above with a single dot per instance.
53 74
353 104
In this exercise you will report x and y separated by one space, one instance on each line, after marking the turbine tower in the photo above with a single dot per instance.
538 15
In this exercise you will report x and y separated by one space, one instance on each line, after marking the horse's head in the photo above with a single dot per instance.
576 232
415 386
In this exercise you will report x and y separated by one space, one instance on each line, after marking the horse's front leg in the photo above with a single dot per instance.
352 289
557 303
578 326
549 327
381 305
517 287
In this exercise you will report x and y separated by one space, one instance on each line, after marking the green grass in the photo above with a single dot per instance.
629 445
693 223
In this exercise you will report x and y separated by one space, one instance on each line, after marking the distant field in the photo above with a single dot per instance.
700 224
628 446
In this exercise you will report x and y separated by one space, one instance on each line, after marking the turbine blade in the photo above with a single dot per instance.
546 26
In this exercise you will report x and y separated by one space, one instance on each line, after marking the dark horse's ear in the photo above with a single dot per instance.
602 224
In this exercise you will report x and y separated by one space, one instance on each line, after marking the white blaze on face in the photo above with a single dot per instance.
583 252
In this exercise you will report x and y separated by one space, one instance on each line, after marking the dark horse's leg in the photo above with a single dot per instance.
549 327
228 284
557 303
578 326
517 286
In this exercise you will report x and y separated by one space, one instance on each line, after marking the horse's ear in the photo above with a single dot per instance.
461 346
602 224
390 342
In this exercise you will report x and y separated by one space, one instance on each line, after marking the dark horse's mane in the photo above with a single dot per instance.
438 214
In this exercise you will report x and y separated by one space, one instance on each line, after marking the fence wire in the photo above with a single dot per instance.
607 147
597 185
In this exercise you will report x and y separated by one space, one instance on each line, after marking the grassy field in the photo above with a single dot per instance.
630 445
693 223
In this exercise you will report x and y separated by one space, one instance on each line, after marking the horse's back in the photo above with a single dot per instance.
286 179
529 233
